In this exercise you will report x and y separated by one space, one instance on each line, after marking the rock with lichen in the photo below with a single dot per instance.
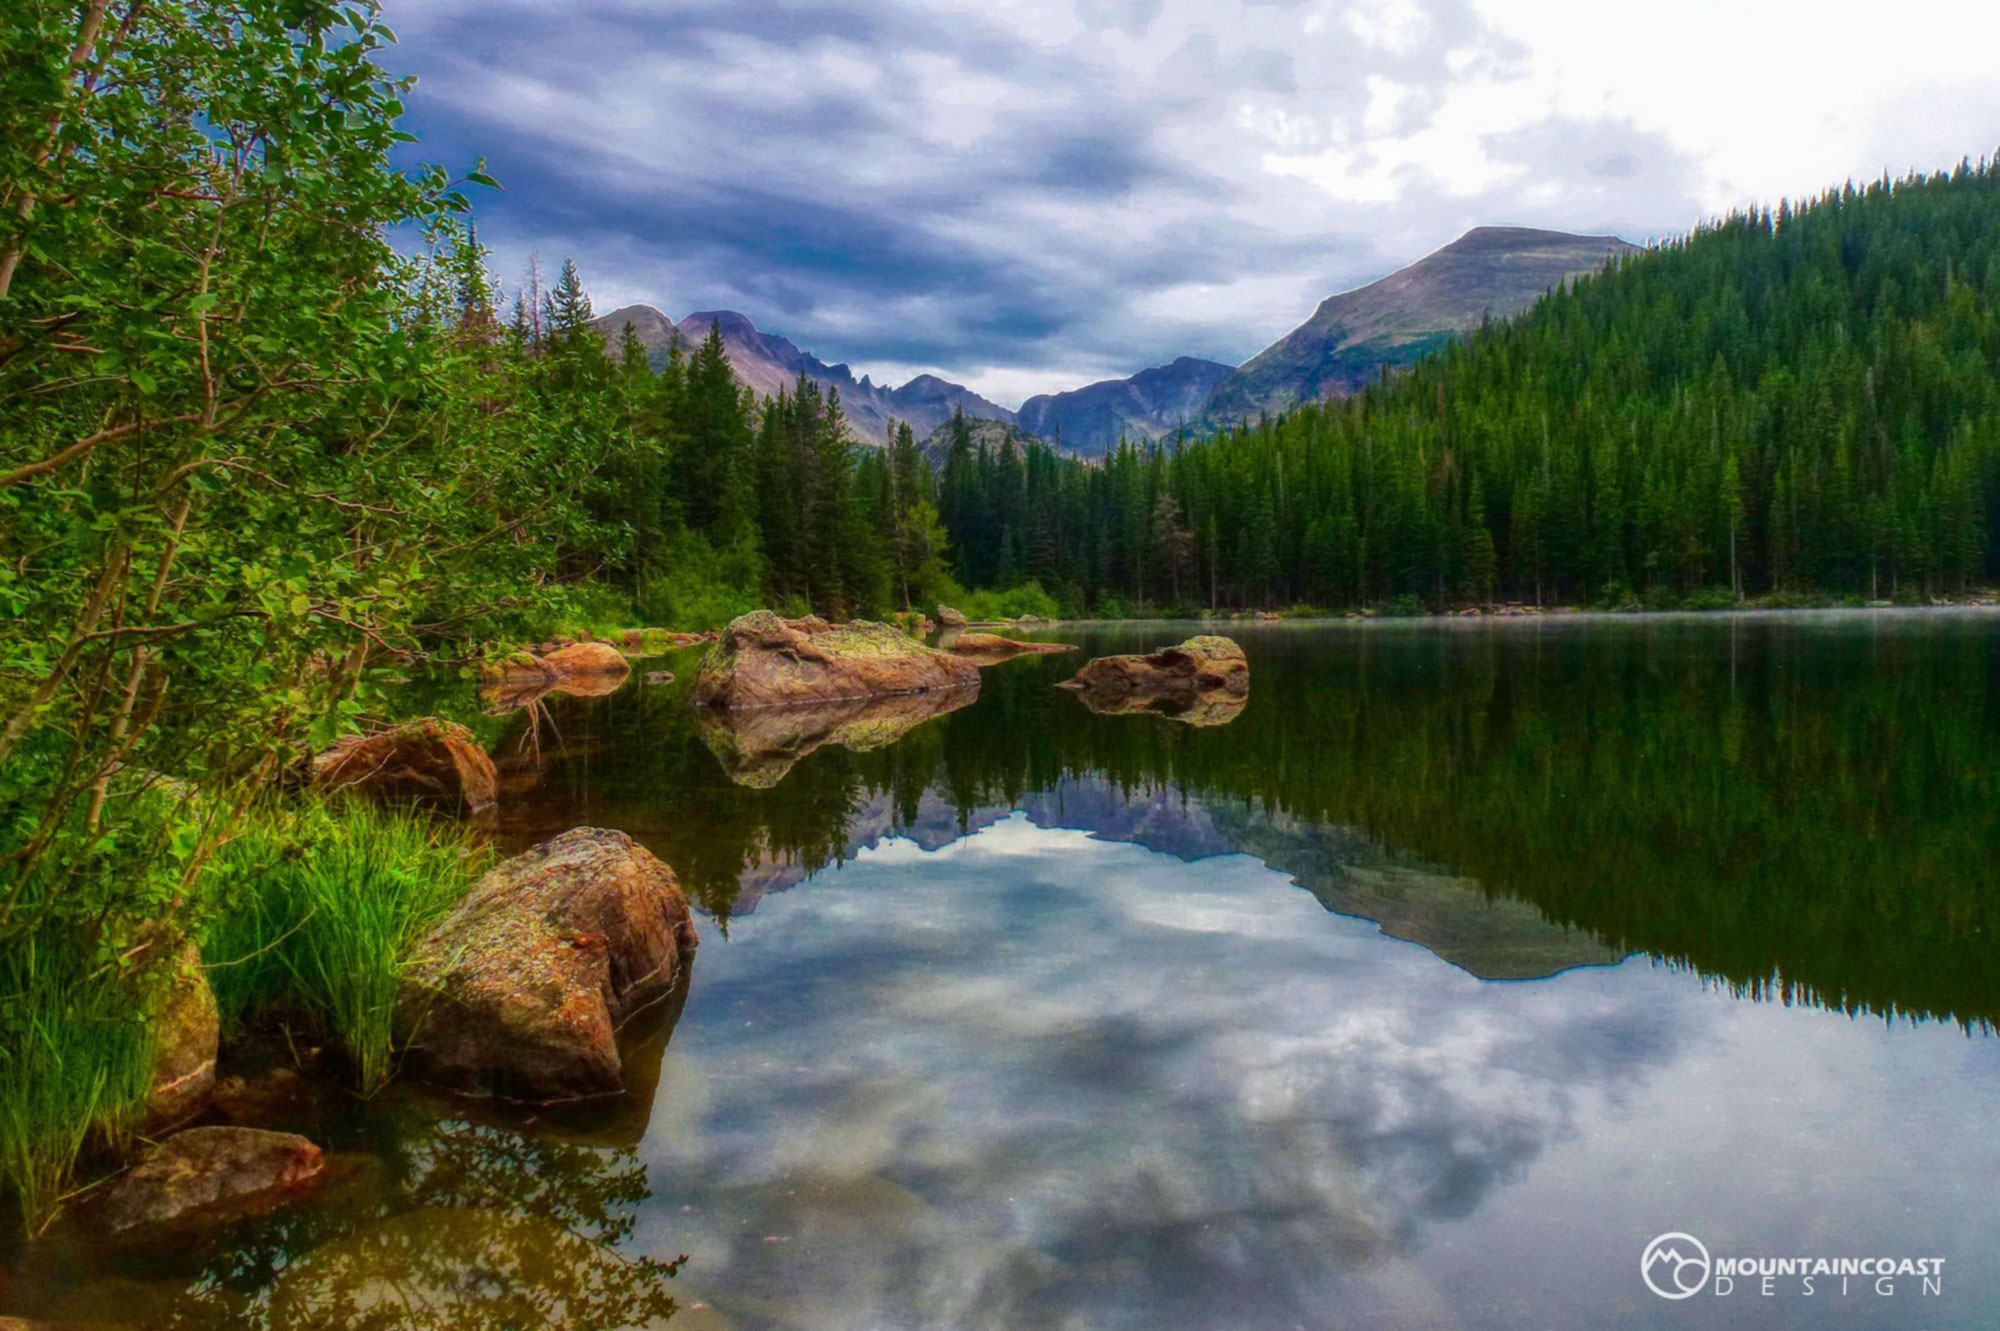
1205 680
522 990
764 661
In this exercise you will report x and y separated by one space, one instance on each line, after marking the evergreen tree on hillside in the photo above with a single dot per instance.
1798 402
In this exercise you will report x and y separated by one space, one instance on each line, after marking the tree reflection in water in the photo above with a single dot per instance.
491 1226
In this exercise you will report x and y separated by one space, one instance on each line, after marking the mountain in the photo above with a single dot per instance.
986 434
768 364
1495 271
1149 405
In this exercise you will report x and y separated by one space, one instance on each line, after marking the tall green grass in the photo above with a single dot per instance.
76 1058
319 908
308 913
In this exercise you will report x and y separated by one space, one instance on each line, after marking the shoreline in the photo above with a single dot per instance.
1562 615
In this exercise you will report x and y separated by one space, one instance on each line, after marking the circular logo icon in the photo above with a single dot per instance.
1675 1266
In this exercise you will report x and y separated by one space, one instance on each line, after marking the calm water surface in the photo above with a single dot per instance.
1463 962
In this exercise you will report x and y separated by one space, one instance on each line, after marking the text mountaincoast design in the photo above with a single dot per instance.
1678 1266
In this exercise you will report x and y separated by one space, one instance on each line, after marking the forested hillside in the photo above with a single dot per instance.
1804 401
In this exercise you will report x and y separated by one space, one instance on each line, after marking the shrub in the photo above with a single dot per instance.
1012 603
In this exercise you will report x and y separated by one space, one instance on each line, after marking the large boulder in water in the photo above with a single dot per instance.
764 661
207 1176
950 618
186 1031
992 649
428 761
522 989
1204 677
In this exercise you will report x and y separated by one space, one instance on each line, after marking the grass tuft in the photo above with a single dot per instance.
320 907
76 1059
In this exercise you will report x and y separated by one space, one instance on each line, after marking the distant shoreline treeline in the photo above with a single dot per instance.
1802 402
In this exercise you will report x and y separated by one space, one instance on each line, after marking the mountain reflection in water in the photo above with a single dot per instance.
1801 806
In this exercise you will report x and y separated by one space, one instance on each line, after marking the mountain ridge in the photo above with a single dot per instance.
1489 272
1351 338
769 364
1151 404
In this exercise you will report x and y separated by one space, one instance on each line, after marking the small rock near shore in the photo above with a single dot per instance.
428 760
206 1176
992 649
586 658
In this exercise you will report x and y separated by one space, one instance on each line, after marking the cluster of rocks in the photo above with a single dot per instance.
762 661
527 990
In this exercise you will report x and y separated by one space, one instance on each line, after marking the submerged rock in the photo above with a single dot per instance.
992 649
430 761
758 746
521 990
1204 681
260 1097
187 1029
206 1176
764 661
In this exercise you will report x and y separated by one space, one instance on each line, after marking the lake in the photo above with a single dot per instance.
1426 992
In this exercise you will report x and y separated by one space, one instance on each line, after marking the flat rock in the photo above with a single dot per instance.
764 661
206 1176
522 989
992 649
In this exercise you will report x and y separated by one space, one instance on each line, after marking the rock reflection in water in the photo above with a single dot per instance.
758 747
1190 709
515 692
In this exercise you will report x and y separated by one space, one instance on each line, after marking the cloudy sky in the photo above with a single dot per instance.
1028 196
